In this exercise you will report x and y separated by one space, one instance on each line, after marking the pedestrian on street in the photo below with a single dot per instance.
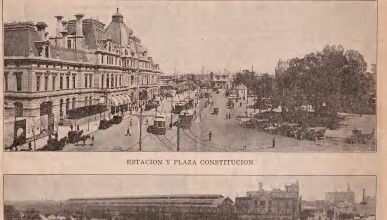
244 145
226 116
210 136
273 142
146 122
71 127
229 115
29 146
128 132
240 104
92 140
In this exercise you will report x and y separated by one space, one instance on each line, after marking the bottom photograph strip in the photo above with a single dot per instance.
188 197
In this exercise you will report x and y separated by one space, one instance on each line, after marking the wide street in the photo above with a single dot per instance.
227 134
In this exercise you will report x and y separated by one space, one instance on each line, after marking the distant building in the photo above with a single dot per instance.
343 196
222 80
241 92
167 80
275 204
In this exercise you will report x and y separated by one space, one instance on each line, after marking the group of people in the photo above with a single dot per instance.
228 116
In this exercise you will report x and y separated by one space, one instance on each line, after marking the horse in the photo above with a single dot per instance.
83 138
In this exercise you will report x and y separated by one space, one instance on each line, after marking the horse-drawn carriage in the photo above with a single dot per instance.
74 135
359 137
116 119
104 124
54 145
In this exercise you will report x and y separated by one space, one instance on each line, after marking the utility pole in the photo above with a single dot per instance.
171 125
140 120
178 136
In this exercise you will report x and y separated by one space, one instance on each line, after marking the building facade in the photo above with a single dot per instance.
275 204
222 80
187 207
343 196
84 68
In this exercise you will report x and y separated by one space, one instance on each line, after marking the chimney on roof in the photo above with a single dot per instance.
58 30
41 27
64 33
260 187
58 25
79 31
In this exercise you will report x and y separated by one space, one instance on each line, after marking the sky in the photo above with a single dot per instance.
62 187
232 35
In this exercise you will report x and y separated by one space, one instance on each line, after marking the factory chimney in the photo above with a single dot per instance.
260 187
363 202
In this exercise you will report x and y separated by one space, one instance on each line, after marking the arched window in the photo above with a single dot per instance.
132 79
67 105
73 105
18 109
61 107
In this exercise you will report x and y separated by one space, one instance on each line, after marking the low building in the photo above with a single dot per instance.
241 92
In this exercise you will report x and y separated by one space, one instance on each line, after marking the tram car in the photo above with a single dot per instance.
180 106
189 102
152 104
159 125
185 118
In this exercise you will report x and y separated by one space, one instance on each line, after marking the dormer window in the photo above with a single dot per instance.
109 46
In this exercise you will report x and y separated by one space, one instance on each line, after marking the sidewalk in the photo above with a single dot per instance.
88 128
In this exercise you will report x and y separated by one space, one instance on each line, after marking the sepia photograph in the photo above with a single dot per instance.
190 76
175 197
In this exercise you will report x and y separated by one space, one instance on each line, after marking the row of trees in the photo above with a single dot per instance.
330 80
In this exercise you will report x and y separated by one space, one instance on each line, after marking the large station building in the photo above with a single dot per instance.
268 205
85 68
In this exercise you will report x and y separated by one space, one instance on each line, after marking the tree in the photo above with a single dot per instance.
333 79
10 213
34 126
31 214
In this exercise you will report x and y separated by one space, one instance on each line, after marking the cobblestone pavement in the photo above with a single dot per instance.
227 134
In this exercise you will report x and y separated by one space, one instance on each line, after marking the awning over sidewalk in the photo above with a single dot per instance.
120 99
115 101
127 99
